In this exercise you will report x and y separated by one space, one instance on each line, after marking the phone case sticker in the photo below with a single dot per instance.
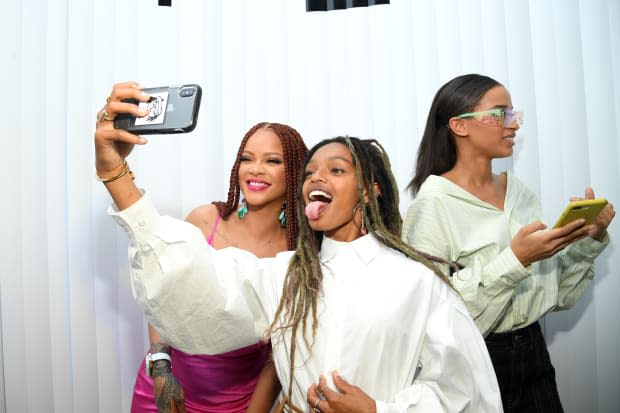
157 109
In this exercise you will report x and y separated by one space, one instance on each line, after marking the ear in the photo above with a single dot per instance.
375 187
458 126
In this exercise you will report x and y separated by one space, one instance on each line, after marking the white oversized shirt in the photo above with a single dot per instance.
387 324
446 221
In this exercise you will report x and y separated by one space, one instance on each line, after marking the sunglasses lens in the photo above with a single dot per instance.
511 116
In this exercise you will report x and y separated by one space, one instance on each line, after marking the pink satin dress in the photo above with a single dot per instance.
221 383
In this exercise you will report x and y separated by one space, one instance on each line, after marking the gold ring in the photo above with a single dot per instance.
108 99
105 116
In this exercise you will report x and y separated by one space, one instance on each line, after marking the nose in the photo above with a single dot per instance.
256 168
317 176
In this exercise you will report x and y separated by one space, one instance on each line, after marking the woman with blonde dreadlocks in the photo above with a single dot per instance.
352 302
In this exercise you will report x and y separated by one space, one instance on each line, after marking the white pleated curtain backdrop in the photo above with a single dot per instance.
72 336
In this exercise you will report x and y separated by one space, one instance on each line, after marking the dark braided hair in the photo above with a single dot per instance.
294 150
303 281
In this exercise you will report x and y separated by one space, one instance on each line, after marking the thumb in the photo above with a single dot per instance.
533 227
589 194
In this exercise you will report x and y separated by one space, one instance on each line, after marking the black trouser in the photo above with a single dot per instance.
524 371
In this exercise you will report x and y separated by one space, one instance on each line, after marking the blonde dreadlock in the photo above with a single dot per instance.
303 281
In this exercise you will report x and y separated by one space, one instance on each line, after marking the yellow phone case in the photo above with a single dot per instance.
587 209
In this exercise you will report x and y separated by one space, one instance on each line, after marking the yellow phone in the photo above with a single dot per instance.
587 209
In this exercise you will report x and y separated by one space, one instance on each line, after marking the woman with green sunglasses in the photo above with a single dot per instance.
512 271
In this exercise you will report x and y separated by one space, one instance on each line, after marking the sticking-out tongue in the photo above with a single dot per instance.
314 209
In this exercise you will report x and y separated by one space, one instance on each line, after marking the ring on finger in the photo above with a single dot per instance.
108 99
315 406
106 116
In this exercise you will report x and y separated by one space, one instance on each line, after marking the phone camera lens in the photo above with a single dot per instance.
187 92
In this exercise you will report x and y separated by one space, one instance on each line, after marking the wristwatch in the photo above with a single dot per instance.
152 358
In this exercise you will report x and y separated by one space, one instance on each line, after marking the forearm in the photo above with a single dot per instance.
487 286
157 344
123 190
266 390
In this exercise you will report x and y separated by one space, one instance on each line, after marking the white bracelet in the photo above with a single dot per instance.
152 358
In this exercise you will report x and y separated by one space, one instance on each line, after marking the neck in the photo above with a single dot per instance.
473 172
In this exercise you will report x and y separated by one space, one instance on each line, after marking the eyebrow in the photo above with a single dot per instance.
334 158
342 158
266 153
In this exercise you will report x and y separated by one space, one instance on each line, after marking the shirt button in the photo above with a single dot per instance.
141 223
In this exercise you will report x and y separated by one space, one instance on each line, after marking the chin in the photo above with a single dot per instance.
315 225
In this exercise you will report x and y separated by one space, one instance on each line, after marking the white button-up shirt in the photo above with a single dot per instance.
387 324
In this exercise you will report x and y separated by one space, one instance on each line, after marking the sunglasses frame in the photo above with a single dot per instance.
499 113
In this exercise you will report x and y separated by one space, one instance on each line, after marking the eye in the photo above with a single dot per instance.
307 174
275 161
337 171
244 158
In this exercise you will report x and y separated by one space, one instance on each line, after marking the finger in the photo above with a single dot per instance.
106 137
341 384
124 90
589 193
328 393
115 107
312 393
567 229
561 243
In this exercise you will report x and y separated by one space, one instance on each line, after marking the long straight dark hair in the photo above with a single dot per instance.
437 150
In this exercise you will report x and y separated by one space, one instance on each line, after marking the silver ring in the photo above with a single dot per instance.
316 410
316 403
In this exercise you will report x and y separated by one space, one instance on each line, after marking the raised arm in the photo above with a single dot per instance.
200 301
112 146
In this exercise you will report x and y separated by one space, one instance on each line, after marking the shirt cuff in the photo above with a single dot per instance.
139 214
589 247
508 264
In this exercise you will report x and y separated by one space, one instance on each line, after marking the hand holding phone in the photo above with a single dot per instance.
172 109
587 209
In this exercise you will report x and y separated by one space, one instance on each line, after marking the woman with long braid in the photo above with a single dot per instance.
266 172
358 320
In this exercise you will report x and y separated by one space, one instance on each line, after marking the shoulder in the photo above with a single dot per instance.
203 215
517 189
430 202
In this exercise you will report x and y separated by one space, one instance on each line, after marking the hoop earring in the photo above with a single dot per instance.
282 216
243 209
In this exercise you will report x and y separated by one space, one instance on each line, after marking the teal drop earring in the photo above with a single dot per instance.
243 209
282 216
